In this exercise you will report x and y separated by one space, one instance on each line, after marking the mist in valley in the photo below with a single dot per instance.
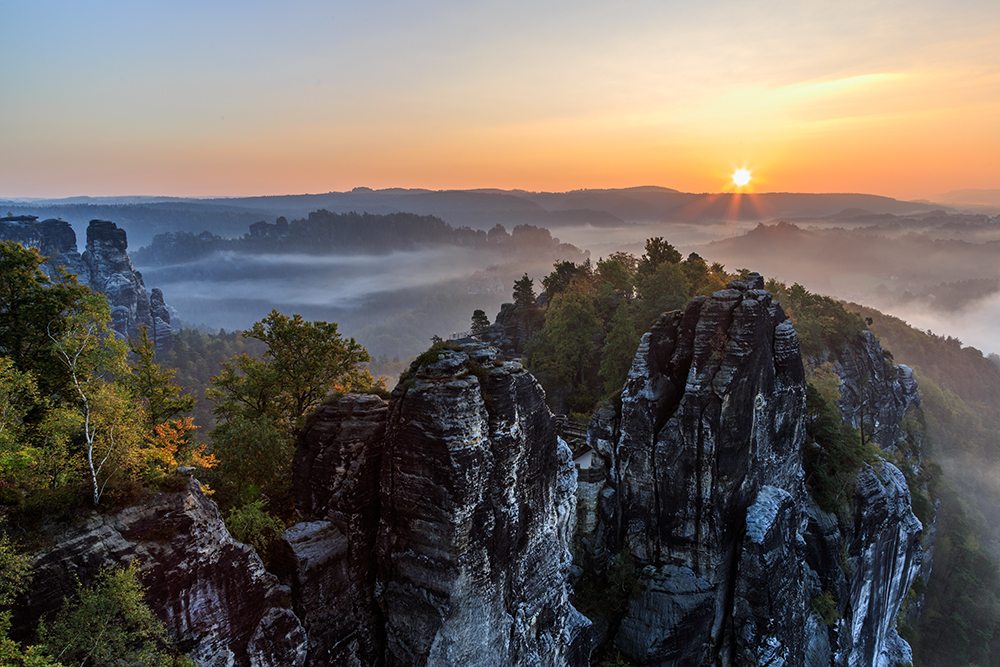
391 303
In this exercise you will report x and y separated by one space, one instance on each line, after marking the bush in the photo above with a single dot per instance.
108 623
253 525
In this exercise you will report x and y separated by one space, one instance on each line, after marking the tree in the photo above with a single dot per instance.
261 402
617 272
619 350
91 353
303 364
564 273
564 351
108 624
18 394
154 384
524 293
31 308
658 252
480 322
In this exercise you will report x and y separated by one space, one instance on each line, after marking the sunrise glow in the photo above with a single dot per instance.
741 177
830 99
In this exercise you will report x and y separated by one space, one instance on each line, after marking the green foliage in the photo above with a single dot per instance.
604 599
255 459
566 352
607 596
658 252
594 318
253 525
262 401
13 571
18 395
34 312
154 384
821 323
832 455
619 349
563 274
198 357
824 605
480 322
617 661
524 292
107 624
304 362
960 622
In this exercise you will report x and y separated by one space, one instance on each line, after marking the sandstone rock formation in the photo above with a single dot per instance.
475 512
437 524
104 266
213 593
704 488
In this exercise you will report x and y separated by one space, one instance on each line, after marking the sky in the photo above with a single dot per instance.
225 98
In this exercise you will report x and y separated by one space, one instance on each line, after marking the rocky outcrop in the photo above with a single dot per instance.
329 560
875 392
110 272
705 490
213 593
104 266
474 507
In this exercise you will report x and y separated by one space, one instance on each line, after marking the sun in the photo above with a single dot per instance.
741 177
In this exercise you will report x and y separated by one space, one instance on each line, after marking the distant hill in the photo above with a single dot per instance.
986 200
145 217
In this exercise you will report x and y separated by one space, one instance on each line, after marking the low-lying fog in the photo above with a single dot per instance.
394 303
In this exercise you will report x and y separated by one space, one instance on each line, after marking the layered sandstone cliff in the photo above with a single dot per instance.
704 488
473 510
104 266
213 593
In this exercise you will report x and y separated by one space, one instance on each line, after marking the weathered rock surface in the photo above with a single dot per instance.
478 511
473 509
705 490
212 592
104 266
875 393
329 561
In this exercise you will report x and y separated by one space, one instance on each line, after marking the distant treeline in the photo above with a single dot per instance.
324 232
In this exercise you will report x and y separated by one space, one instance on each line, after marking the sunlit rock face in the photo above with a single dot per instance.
104 266
475 511
213 593
705 489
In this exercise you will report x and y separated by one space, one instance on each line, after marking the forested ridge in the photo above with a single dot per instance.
323 232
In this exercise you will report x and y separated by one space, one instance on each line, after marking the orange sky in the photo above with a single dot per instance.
893 98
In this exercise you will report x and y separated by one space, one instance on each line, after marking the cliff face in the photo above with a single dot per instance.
212 593
704 488
474 514
104 266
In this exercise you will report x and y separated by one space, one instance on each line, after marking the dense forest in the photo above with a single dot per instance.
324 232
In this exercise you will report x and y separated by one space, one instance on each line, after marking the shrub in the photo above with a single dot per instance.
253 525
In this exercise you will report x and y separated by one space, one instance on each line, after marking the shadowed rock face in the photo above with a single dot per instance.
329 561
105 267
705 490
212 592
875 393
475 504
